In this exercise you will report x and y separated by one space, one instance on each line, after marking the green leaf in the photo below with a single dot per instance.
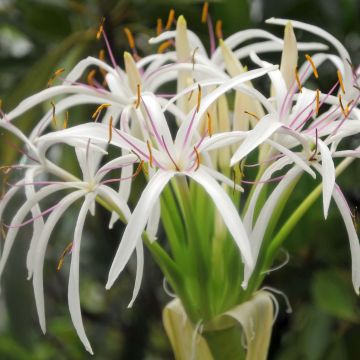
333 294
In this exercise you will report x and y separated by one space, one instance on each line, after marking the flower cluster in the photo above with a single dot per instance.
200 133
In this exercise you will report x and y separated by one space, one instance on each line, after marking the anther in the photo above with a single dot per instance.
341 81
55 75
138 93
129 37
53 113
209 124
170 19
317 101
66 120
198 99
102 55
298 79
150 153
159 26
110 129
218 29
98 110
66 251
90 77
138 169
252 114
197 158
205 12
310 60
101 28
165 45
344 111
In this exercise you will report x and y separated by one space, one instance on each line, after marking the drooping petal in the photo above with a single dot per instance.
228 212
40 252
137 223
353 238
73 290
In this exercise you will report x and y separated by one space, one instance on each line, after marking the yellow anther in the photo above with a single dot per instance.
66 251
101 28
252 114
90 77
190 95
209 124
314 69
102 55
197 158
99 109
344 111
55 75
170 19
110 129
66 120
198 98
138 169
347 109
150 153
218 29
165 45
53 113
298 79
205 12
138 93
159 26
341 81
129 37
317 101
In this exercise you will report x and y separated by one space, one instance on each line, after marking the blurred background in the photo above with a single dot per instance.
40 36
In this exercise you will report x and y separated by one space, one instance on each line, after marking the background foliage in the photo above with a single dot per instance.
39 36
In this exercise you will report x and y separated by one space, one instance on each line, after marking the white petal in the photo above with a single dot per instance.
328 175
262 131
40 252
139 271
73 290
353 238
228 212
137 223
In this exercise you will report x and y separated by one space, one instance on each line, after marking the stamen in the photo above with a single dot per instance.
90 77
170 157
197 158
218 29
55 75
98 110
170 19
348 105
53 113
341 81
298 79
159 26
101 28
165 45
312 157
198 99
310 60
66 251
209 124
150 153
138 99
252 114
66 121
190 95
356 87
233 172
205 12
110 129
138 169
317 101
344 111
130 38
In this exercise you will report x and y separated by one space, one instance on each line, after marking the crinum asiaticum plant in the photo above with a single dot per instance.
190 145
